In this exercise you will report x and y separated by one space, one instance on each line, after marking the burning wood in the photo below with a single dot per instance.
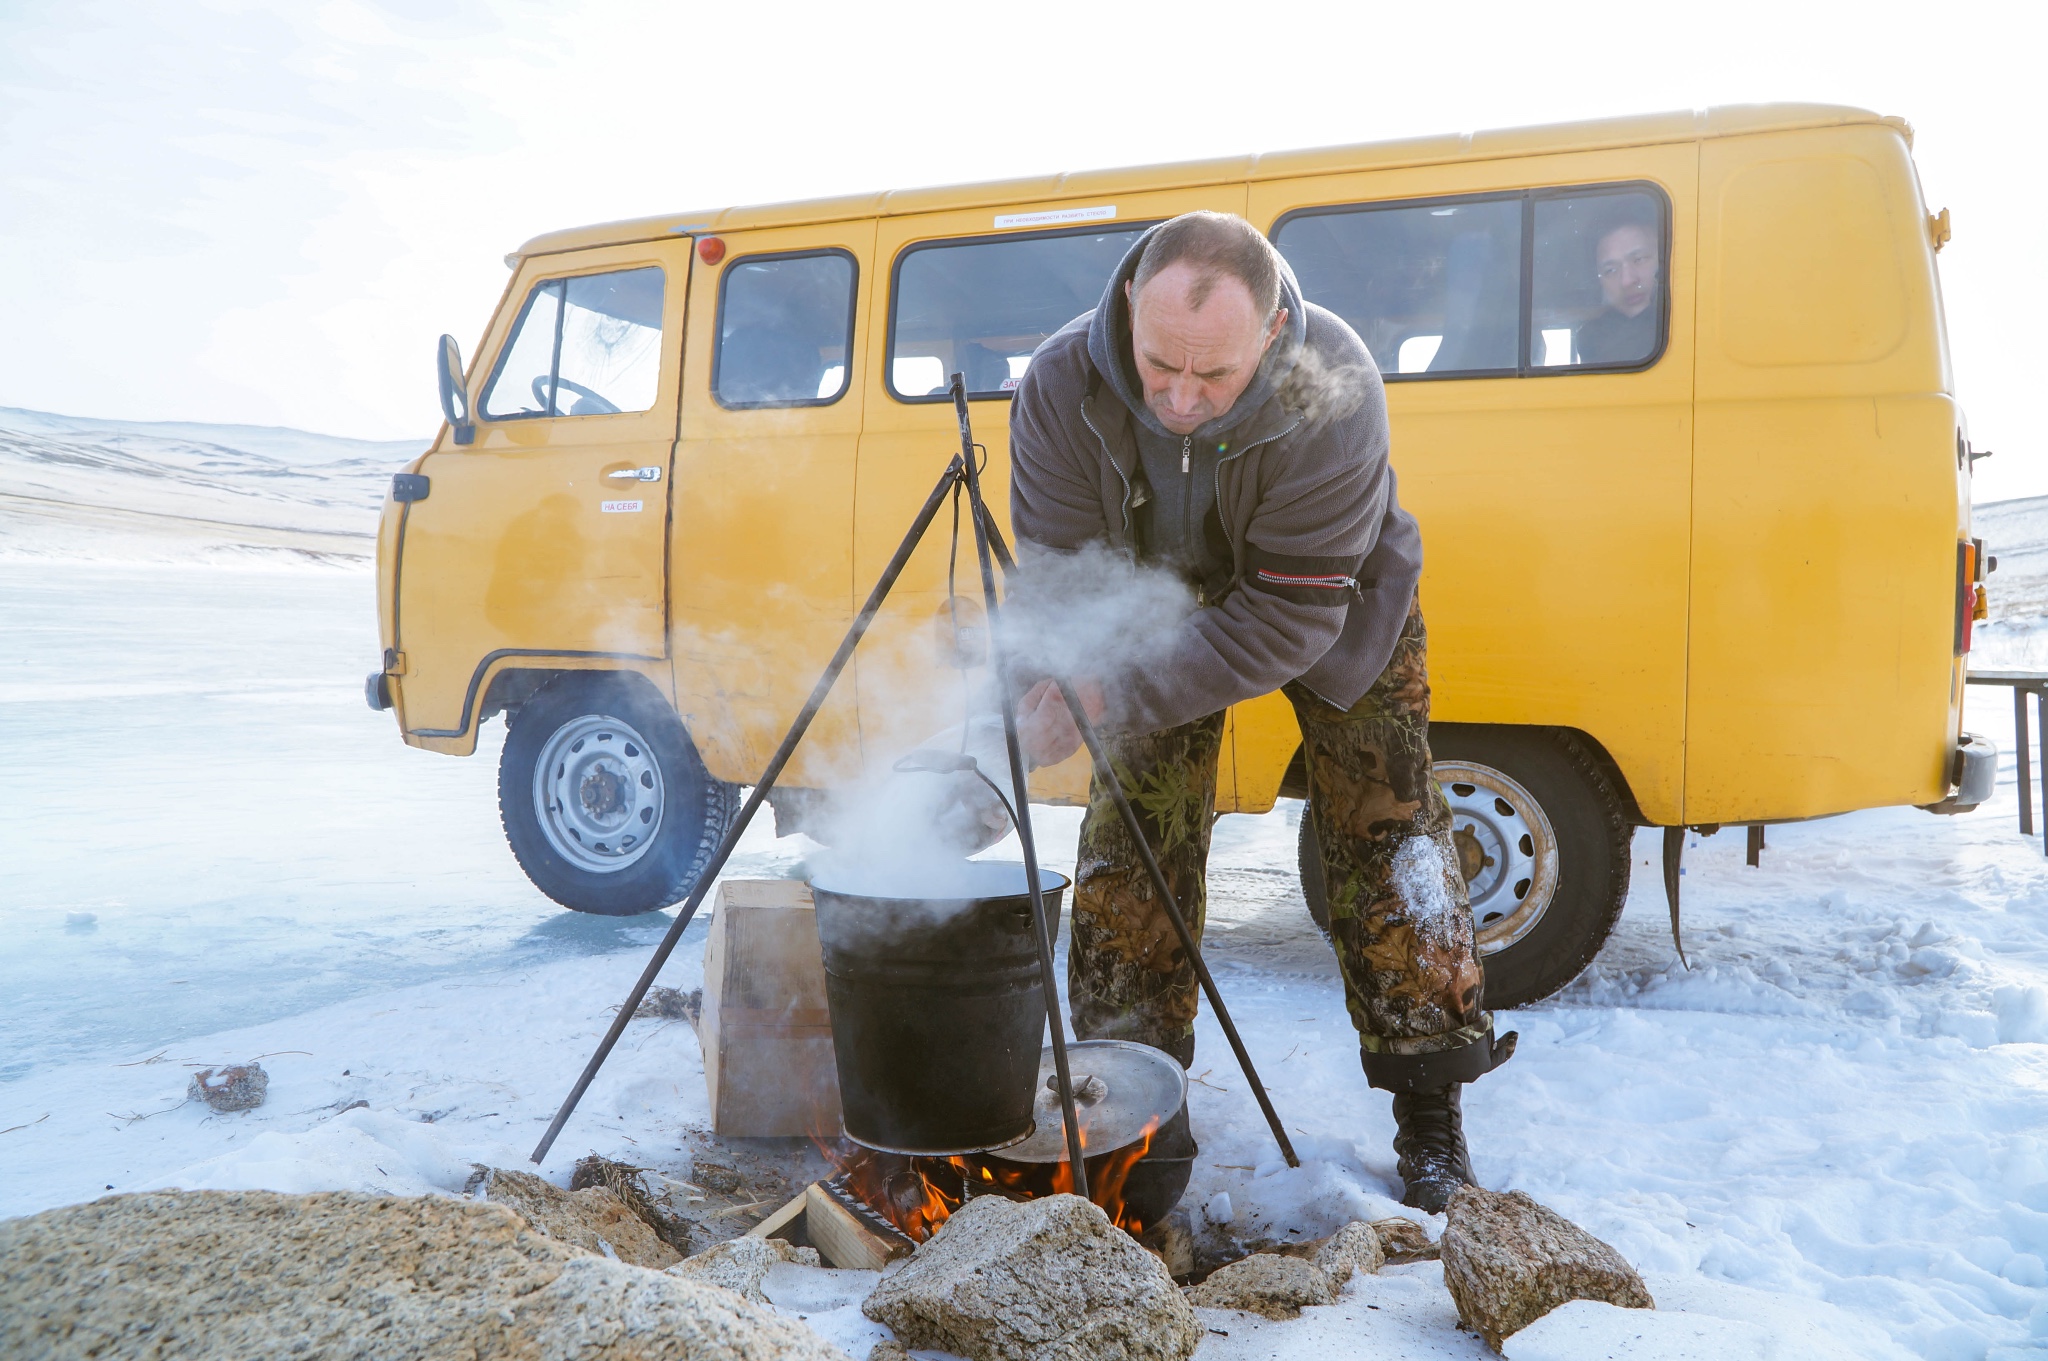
915 1195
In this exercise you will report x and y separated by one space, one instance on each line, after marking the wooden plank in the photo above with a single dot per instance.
842 1239
778 1224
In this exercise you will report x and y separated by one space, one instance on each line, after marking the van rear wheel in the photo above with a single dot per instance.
1544 844
605 802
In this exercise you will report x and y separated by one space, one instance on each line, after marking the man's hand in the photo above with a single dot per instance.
1045 727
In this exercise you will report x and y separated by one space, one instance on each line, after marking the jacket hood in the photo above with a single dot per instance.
1109 348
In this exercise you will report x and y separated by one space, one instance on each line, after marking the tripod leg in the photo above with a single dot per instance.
819 692
1106 772
1045 927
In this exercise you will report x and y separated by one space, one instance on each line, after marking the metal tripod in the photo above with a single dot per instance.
962 471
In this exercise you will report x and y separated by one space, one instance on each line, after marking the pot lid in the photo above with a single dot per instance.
1119 1088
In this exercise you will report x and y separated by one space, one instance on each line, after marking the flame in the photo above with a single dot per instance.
918 1194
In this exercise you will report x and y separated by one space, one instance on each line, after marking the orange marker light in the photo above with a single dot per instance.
711 250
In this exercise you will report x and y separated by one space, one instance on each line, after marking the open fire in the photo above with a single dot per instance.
918 1194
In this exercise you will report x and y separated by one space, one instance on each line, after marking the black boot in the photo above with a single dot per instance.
1429 1140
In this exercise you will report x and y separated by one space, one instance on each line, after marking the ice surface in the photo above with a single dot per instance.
1830 1138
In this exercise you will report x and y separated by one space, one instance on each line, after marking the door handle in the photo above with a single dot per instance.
647 474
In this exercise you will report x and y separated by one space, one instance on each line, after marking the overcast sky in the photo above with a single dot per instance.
266 213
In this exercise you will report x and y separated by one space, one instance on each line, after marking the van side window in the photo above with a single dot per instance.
1436 288
785 328
585 346
1597 292
1432 289
979 307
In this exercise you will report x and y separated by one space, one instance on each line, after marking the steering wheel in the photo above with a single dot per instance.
591 404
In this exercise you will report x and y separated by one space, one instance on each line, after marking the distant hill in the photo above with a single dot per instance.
77 487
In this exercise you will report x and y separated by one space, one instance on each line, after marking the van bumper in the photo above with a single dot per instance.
1974 774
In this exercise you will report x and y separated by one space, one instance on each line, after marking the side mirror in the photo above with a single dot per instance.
454 395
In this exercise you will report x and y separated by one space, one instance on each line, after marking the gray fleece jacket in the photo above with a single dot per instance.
1324 560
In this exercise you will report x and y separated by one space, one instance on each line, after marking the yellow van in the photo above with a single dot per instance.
1670 397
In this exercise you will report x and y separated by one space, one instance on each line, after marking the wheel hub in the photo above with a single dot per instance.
597 793
1507 851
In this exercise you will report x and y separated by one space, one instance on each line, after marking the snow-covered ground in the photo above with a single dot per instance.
1829 1139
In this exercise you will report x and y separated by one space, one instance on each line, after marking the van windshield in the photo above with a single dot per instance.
980 307
586 346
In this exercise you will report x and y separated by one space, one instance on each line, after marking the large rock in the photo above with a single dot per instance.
593 1218
1042 1280
1509 1261
1266 1283
741 1264
220 1275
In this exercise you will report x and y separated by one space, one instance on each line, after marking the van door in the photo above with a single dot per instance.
761 551
1826 670
1541 420
971 291
545 536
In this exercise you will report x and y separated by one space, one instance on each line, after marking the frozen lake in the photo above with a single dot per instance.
208 827
1830 1137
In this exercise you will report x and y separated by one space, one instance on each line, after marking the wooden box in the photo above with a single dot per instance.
765 1030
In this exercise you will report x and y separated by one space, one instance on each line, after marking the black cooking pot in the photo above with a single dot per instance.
938 1008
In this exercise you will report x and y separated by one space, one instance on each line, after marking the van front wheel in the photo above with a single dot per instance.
604 799
1543 841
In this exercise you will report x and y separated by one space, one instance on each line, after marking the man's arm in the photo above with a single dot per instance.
1286 613
1055 497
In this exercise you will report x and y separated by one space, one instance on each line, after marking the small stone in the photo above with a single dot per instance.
888 1349
1040 1280
670 1004
241 1088
740 1264
1404 1240
593 1218
1355 1247
1508 1261
1268 1284
712 1176
623 1180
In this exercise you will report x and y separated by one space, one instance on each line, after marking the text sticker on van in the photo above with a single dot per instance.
1053 217
619 507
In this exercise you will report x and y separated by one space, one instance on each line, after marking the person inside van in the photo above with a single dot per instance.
1627 260
1204 419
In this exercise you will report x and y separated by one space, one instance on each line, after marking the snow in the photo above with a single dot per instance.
1829 1138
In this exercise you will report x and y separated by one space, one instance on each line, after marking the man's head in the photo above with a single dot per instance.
1205 306
1627 262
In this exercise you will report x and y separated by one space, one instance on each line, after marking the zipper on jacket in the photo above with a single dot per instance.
1187 492
1218 476
1103 440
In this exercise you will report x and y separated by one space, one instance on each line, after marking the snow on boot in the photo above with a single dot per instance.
1429 1141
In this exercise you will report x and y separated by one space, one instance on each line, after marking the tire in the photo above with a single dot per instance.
624 817
1539 821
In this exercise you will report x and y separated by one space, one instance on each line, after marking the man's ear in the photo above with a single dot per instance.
1129 298
1273 331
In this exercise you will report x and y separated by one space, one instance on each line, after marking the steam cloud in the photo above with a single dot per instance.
1090 613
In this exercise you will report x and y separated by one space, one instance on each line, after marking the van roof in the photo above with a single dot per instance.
1048 190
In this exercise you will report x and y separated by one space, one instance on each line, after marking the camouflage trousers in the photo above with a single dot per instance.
1399 918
